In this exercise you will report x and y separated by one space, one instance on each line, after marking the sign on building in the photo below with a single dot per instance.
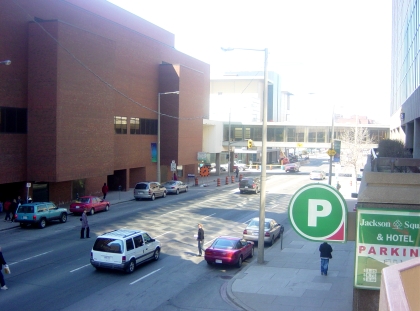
318 212
384 237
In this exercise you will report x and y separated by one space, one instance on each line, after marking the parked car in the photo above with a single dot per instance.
249 184
39 213
272 230
292 167
149 190
317 175
175 186
91 203
124 249
229 250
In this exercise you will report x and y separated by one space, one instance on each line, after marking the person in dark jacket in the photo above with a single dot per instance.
104 190
2 263
200 239
13 208
85 225
325 251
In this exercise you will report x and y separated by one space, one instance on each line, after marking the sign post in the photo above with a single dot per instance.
318 212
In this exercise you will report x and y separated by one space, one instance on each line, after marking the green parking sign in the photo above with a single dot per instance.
318 212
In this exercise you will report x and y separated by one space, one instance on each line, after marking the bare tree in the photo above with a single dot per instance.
353 142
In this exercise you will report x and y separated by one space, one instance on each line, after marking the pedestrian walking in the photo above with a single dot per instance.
325 251
85 225
13 208
6 267
237 172
200 239
7 210
104 190
338 186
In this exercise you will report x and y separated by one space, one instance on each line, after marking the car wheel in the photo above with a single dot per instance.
252 252
164 194
107 208
152 197
209 263
137 199
131 266
92 211
186 189
42 224
239 263
272 241
63 217
156 254
240 191
177 191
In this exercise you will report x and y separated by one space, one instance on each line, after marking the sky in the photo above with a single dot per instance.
331 54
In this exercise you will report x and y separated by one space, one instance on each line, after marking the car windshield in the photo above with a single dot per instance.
84 200
26 209
224 244
141 186
256 223
169 183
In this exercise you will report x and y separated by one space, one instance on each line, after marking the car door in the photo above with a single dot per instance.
53 212
97 204
149 245
140 249
275 228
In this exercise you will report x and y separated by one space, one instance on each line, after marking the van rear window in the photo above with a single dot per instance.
108 245
26 209
141 186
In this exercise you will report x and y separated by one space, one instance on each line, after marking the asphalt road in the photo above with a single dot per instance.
51 269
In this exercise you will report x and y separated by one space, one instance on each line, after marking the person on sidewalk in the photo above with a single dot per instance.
237 172
104 190
200 239
325 251
13 208
85 225
338 186
2 263
6 207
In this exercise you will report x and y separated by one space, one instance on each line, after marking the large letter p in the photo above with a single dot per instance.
313 212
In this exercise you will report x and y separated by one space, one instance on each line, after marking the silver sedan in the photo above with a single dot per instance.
175 186
272 230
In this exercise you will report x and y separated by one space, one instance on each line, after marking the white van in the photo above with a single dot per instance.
124 249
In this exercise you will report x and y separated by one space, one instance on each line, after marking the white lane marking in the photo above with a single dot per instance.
28 258
209 216
147 275
170 212
163 234
79 268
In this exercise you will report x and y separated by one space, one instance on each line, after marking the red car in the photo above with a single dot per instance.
91 203
229 250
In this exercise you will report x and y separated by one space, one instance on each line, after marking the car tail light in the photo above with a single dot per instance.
150 191
253 186
34 217
267 233
124 259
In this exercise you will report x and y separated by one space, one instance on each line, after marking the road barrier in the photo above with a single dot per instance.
218 182
232 178
196 181
227 180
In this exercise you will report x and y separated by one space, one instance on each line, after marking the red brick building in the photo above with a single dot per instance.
79 102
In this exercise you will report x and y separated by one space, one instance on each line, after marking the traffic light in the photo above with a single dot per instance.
250 143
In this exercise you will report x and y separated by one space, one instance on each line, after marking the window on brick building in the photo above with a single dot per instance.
148 126
134 125
120 125
13 120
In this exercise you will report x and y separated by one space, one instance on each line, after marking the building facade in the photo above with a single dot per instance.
405 81
79 102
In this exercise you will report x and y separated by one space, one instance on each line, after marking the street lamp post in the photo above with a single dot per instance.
158 143
332 146
261 232
5 62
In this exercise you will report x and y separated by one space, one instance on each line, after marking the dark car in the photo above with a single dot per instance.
249 184
175 186
229 250
91 203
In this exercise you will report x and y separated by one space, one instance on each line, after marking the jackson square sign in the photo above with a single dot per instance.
384 237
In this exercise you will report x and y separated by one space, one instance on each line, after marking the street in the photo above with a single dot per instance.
51 268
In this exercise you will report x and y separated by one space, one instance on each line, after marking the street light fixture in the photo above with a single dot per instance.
158 144
5 62
261 232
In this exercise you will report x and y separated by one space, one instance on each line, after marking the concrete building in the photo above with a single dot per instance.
405 81
79 101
